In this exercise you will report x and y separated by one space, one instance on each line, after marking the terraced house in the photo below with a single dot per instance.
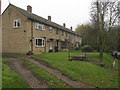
23 31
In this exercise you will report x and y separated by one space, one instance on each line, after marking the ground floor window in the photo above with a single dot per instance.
39 42
64 45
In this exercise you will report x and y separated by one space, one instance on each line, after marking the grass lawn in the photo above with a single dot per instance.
87 73
44 76
107 59
10 79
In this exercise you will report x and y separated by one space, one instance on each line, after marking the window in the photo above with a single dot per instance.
66 34
69 34
50 29
16 23
62 32
39 42
57 31
39 26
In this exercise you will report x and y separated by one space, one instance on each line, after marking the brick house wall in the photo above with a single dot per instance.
21 40
14 40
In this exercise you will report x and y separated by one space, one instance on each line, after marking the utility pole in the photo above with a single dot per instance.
69 48
0 8
0 47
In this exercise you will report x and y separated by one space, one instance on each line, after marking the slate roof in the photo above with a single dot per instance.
43 20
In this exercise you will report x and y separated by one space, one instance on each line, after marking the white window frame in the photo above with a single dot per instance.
66 34
16 23
50 29
57 31
43 42
39 26
62 32
69 34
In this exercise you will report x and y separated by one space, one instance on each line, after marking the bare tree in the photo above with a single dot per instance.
104 16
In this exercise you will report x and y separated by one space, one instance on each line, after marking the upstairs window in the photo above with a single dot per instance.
57 31
39 42
69 34
62 32
39 26
16 23
50 29
66 34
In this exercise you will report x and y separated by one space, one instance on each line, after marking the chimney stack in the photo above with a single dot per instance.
71 28
29 8
49 18
64 25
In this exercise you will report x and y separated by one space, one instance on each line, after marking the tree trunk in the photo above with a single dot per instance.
101 47
98 27
101 53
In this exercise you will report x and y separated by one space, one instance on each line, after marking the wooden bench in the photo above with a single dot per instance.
79 57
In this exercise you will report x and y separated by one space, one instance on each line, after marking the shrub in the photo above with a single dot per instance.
64 50
86 48
29 53
51 50
77 48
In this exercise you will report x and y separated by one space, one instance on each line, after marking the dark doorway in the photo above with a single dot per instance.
56 47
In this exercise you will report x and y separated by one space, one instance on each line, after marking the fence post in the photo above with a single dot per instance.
69 54
112 72
85 54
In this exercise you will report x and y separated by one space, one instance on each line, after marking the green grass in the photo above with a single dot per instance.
87 73
107 59
74 53
10 79
44 76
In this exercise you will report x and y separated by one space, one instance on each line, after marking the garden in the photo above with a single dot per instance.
85 72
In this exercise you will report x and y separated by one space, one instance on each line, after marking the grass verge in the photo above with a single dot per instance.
46 77
107 59
87 73
10 79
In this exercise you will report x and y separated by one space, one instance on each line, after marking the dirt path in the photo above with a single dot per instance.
102 65
58 74
27 75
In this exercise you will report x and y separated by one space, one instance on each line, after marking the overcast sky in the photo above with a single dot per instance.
71 12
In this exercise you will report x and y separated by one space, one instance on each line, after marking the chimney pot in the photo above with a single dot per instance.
49 18
71 28
29 8
64 24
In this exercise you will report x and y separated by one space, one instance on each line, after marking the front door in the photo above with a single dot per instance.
56 47
51 45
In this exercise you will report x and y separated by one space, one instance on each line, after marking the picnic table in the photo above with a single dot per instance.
79 57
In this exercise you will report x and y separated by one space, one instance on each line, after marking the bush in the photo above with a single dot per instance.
51 50
29 53
86 48
64 50
77 48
